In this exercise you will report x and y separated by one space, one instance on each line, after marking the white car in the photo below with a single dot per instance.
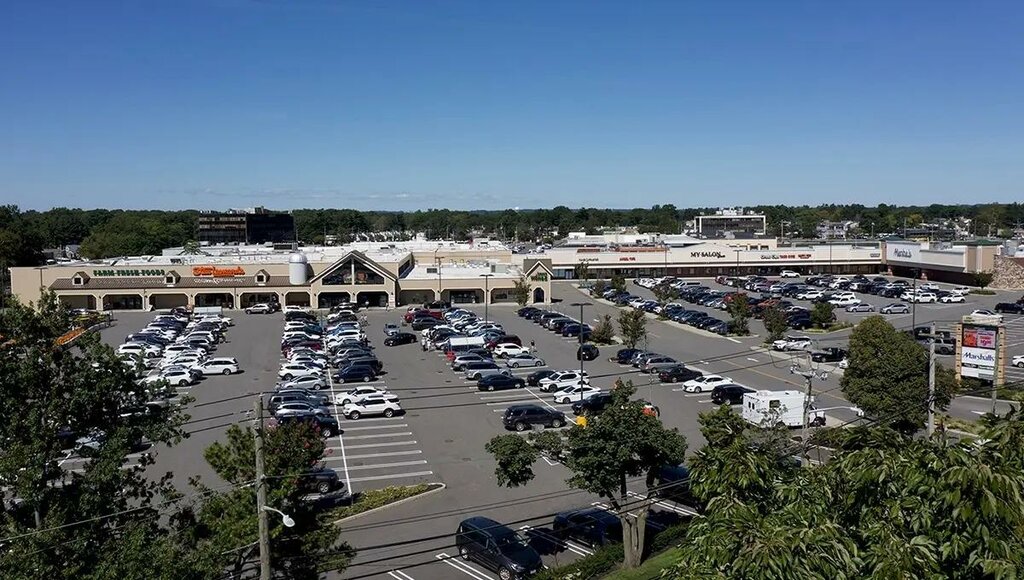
845 363
139 349
380 404
1018 361
923 297
561 380
951 298
179 376
961 290
836 282
260 308
183 360
357 394
524 360
789 274
510 349
178 349
844 301
929 287
705 383
311 382
575 393
988 314
289 371
810 295
299 408
792 343
218 366
292 308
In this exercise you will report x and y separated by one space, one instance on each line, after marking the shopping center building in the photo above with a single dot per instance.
235 276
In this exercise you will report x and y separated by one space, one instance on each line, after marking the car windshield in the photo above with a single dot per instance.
511 541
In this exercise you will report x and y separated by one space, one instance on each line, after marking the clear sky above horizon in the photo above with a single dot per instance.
486 105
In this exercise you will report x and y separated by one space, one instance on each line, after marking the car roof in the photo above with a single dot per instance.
525 406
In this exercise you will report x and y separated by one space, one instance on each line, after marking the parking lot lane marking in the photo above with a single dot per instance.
399 575
368 419
704 401
572 547
751 359
371 427
341 438
392 476
387 465
389 444
679 509
462 566
498 397
379 435
386 454
510 402
732 339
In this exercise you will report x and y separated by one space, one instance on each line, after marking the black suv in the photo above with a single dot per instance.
587 352
1010 308
499 381
592 405
497 548
326 424
400 338
732 394
678 373
592 526
830 354
320 480
523 417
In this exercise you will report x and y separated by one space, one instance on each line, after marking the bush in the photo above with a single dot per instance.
375 498
823 314
983 279
598 288
668 537
602 561
603 332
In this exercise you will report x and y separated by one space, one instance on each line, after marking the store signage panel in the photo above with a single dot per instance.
127 273
978 351
903 252
215 272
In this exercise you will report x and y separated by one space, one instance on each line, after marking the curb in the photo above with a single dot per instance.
393 504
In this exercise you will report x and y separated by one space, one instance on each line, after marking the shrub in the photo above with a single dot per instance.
603 332
602 561
375 498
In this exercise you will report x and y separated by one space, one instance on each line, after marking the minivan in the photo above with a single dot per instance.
496 547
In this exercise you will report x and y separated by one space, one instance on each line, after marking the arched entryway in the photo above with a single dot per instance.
222 299
372 299
248 299
410 297
538 295
122 302
81 301
167 301
332 299
297 299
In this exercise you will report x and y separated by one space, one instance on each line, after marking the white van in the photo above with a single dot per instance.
785 407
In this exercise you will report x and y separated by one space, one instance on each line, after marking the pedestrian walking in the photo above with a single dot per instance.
533 347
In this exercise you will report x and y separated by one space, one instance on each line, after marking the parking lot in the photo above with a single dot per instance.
441 435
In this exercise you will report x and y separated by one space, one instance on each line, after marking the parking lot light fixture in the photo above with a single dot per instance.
487 292
285 518
580 352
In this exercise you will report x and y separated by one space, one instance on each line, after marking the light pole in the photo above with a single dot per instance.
737 262
487 292
580 352
437 261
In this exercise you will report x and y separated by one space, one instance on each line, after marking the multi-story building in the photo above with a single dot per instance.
250 226
828 230
731 222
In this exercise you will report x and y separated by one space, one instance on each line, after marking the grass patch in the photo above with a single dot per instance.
651 568
961 425
375 498
836 327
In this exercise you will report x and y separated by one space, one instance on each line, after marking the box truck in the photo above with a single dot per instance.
780 407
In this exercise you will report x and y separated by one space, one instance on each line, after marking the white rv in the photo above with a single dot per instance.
765 408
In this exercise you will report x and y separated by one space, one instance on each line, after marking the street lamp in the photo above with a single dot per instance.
285 518
580 352
487 292
437 261
737 262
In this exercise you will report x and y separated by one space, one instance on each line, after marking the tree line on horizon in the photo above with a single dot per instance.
103 233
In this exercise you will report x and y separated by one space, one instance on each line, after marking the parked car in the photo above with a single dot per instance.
789 274
592 404
299 407
592 526
325 424
988 315
499 381
400 338
355 372
575 393
678 373
705 383
587 352
829 354
380 404
731 394
534 378
524 360
391 328
497 548
218 366
561 379
509 349
895 308
952 298
861 307
1010 308
357 394
523 417
261 308
321 480
791 343
1018 361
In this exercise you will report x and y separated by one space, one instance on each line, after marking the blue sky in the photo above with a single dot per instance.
375 104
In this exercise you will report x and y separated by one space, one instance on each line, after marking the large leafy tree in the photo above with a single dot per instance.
739 309
521 291
632 326
774 323
75 510
888 376
620 443
226 525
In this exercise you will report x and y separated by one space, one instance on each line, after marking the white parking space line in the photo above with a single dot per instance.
463 567
679 509
372 427
732 339
386 465
386 454
511 402
392 476
371 419
379 435
570 545
751 359
390 444
399 575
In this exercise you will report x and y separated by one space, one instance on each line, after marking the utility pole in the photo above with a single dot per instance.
931 382
996 382
261 495
809 375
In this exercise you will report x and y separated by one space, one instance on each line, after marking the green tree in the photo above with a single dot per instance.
80 512
822 314
619 283
603 332
774 323
598 288
581 271
521 291
887 375
739 310
664 293
620 443
632 326
228 520
982 279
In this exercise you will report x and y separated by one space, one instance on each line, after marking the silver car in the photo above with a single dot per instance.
895 308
